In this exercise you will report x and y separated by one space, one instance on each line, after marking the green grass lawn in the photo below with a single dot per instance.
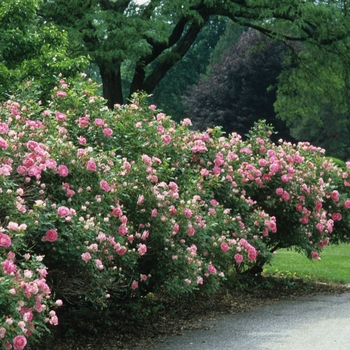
334 266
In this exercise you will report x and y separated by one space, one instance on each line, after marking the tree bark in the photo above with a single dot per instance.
112 84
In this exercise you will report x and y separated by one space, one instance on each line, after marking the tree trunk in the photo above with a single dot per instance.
112 84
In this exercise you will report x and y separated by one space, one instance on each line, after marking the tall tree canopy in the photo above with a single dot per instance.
158 34
235 93
186 72
31 48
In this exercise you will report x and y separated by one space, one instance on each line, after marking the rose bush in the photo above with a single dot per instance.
126 202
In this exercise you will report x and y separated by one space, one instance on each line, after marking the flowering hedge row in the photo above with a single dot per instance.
104 205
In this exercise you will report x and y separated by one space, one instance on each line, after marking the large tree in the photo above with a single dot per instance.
187 72
158 34
31 48
235 94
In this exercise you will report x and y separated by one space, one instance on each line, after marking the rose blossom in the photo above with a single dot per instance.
279 191
63 211
9 266
51 236
61 94
82 140
104 185
62 170
224 247
238 258
86 256
335 196
3 143
134 285
166 139
99 122
19 342
90 165
108 132
5 240
315 256
212 269
4 128
99 264
60 116
142 249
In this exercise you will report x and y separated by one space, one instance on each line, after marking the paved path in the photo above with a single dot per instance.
307 323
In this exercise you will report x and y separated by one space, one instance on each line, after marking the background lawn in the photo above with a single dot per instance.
334 265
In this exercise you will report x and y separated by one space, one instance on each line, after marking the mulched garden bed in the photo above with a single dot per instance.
77 331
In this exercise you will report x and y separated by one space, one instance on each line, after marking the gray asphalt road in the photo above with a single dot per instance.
308 323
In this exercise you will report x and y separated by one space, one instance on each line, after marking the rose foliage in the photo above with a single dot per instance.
101 206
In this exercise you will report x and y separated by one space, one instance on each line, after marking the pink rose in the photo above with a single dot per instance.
62 170
122 230
13 226
4 128
285 178
140 199
199 280
188 213
105 186
82 140
142 249
134 285
19 342
60 116
186 122
285 196
59 302
336 216
121 251
299 207
51 235
320 227
238 258
212 269
166 139
154 213
108 132
262 162
335 196
22 170
315 255
3 143
279 191
252 253
90 165
83 121
347 204
9 266
34 171
86 256
61 94
63 211
224 247
5 240
99 264
190 231
99 122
